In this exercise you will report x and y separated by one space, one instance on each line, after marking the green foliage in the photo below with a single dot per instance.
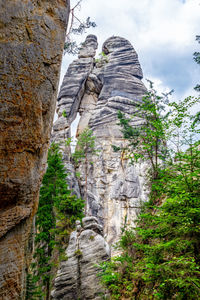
63 257
146 141
78 174
33 292
196 57
76 27
91 237
57 212
85 148
197 54
102 57
64 114
160 257
68 142
78 253
85 145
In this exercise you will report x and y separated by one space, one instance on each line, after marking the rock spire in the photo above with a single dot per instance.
97 89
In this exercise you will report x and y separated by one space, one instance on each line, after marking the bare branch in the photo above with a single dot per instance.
77 4
71 46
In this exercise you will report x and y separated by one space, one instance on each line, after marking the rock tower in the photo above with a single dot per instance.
96 89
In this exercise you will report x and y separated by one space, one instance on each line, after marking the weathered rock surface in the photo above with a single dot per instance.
69 99
73 85
97 90
115 187
76 278
32 35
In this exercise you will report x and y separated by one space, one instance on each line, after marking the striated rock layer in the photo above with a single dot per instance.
97 90
76 278
116 188
69 100
32 35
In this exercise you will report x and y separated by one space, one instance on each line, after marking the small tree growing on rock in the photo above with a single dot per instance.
57 212
85 148
146 140
160 257
76 27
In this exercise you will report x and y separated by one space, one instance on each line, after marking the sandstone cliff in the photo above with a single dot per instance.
97 90
32 35
76 278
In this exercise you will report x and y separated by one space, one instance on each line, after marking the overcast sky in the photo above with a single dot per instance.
161 31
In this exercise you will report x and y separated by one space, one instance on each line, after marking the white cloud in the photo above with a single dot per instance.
161 31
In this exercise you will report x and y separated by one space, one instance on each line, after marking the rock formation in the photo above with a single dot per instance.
97 90
69 99
76 278
32 35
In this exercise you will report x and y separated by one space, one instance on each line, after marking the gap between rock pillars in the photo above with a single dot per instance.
73 132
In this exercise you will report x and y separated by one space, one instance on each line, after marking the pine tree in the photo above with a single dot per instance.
58 209
33 292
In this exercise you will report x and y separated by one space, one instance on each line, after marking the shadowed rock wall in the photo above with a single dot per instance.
32 35
69 100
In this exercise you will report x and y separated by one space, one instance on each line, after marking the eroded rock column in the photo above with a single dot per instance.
116 188
77 277
32 35
69 101
97 90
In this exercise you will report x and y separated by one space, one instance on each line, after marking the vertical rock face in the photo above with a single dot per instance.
32 35
73 86
69 101
116 188
97 90
77 278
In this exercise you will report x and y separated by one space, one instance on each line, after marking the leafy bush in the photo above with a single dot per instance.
160 257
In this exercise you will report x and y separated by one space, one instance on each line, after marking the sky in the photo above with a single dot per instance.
161 31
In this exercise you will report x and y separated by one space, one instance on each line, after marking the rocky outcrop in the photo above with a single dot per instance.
73 86
115 187
77 276
32 35
69 101
97 90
